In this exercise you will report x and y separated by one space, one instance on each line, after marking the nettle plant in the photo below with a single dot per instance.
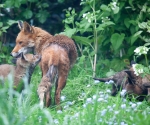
88 29
106 31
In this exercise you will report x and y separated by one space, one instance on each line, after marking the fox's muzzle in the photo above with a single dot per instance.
23 50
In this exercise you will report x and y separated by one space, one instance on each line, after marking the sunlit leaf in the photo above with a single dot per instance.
116 40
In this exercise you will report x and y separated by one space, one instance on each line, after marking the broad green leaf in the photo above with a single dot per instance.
2 55
143 25
27 14
1 24
131 3
133 22
10 22
147 44
45 5
5 28
137 33
1 5
92 53
127 23
105 8
116 10
116 40
130 51
82 40
69 32
104 25
133 39
9 3
110 73
32 1
17 3
135 36
42 15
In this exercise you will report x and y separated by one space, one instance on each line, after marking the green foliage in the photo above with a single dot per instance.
4 26
114 29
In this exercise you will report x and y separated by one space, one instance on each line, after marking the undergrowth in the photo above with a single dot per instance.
84 102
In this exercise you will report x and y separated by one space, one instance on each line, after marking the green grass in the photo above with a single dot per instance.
85 103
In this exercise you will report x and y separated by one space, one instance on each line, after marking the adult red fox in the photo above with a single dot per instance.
22 71
58 55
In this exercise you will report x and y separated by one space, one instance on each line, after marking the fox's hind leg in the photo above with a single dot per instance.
46 85
48 98
62 76
60 85
44 91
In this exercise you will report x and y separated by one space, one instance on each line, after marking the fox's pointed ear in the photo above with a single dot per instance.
20 24
23 57
130 73
130 76
27 28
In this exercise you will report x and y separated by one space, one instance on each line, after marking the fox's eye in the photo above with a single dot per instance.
20 42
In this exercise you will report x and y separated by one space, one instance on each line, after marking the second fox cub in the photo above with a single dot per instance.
23 69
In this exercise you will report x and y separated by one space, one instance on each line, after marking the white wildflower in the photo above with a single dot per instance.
116 112
56 121
89 100
111 81
114 105
94 97
84 105
133 105
1 14
59 111
89 20
63 98
114 3
102 96
100 99
139 103
103 112
123 106
138 69
96 81
69 103
76 115
141 50
8 10
123 93
108 90
123 123
88 85
70 8
100 120
101 92
84 15
66 106
40 119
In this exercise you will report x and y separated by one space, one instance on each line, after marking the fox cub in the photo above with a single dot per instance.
22 71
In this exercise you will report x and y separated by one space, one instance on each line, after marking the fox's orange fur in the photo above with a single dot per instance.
58 55
22 70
